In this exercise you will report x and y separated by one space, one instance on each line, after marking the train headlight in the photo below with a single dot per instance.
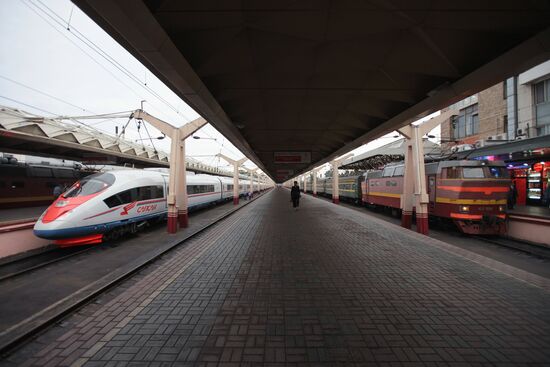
464 208
501 208
61 203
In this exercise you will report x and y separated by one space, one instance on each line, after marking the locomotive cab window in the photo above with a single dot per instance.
388 171
498 172
399 171
452 172
473 172
90 185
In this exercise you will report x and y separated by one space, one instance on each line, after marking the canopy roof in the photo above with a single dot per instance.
320 78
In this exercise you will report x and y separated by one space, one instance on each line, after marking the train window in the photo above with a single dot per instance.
17 184
473 172
452 172
398 171
388 171
229 187
144 193
498 172
41 172
150 192
90 185
199 189
64 173
112 201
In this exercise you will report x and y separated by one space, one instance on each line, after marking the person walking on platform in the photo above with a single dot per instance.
295 195
512 195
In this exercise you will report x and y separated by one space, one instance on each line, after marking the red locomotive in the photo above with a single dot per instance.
470 193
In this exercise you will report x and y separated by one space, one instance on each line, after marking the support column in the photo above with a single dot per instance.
314 186
420 192
335 164
251 184
335 183
172 186
236 164
408 185
414 180
177 200
182 200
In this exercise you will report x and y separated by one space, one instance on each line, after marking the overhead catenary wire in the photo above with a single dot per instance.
94 47
44 94
90 56
28 105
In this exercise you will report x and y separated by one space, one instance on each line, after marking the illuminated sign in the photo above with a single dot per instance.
537 167
292 157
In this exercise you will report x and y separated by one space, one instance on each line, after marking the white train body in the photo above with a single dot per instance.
115 202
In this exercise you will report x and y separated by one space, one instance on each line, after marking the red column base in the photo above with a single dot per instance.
336 200
183 219
314 194
172 224
406 220
422 223
235 201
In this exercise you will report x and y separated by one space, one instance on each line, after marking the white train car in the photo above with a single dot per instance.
227 184
107 205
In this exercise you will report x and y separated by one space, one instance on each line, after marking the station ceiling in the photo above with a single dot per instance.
324 77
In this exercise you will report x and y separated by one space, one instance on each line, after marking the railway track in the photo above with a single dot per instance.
27 264
82 280
453 235
525 247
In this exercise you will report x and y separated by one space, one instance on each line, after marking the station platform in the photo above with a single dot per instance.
530 223
321 286
531 210
20 215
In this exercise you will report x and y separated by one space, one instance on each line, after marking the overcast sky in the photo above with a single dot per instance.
38 52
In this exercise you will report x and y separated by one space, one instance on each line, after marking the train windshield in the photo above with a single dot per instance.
90 185
484 172
473 172
498 172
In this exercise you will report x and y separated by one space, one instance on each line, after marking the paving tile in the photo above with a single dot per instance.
323 286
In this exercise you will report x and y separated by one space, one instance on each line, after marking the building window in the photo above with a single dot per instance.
505 89
466 123
542 107
505 123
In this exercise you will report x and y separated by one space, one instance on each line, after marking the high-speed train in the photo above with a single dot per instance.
106 205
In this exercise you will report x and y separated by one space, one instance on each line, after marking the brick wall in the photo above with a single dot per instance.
491 111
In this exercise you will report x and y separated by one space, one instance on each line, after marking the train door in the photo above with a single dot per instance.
431 193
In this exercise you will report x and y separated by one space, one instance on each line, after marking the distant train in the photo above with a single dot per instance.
23 185
105 206
472 194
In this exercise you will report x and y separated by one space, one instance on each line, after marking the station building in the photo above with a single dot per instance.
509 121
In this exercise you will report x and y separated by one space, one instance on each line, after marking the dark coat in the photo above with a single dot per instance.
295 192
